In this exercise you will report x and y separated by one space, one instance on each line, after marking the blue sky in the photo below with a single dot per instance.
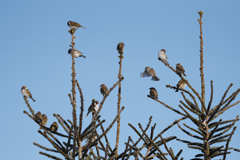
34 44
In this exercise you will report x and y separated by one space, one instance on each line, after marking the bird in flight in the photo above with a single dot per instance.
150 72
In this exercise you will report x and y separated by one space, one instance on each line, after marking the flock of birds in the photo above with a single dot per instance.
42 118
150 72
93 108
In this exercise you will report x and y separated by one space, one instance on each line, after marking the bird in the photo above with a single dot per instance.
93 107
120 47
26 93
162 56
180 70
73 26
150 72
75 53
44 119
54 127
153 93
38 117
181 85
103 89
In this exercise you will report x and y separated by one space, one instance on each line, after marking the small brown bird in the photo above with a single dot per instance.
54 127
93 107
44 119
153 93
38 117
103 89
75 53
180 70
162 56
181 85
26 93
150 72
73 26
120 47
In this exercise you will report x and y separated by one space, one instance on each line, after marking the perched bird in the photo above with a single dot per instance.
120 47
153 93
103 89
150 72
180 70
93 107
73 26
75 53
54 127
162 56
44 119
38 117
181 85
26 93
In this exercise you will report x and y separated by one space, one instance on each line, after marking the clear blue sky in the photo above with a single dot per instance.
34 43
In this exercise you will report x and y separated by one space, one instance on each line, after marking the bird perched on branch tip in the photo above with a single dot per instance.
120 47
26 93
73 26
162 56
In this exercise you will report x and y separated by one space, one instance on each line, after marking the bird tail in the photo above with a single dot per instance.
83 56
177 88
88 113
33 99
155 78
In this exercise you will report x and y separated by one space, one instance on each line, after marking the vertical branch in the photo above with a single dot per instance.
80 121
201 59
120 47
74 99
